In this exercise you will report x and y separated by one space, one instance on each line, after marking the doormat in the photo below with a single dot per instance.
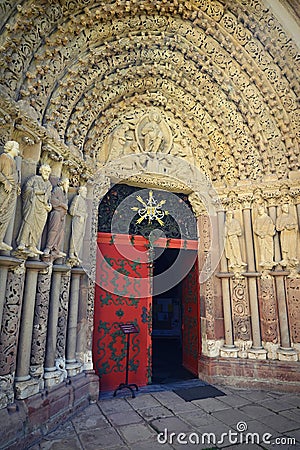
198 393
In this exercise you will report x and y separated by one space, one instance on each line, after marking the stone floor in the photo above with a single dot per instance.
157 418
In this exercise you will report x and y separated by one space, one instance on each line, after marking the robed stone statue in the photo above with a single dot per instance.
9 188
36 206
57 219
78 211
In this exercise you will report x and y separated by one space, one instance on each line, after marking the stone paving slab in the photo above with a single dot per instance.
143 401
292 414
151 444
210 404
157 412
280 423
201 419
235 400
137 432
231 416
89 419
256 411
282 405
101 439
255 395
120 418
133 424
172 424
114 405
61 444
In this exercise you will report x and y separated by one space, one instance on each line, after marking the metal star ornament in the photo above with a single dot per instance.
151 209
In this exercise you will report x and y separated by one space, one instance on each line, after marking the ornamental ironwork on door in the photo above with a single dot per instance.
119 213
122 295
128 217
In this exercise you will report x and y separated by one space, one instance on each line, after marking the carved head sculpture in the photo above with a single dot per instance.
45 171
64 183
261 210
285 208
229 214
12 147
82 191
155 117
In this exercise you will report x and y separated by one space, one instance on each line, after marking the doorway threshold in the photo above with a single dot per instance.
152 388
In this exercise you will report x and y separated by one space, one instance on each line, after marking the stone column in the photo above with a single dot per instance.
10 331
72 365
298 207
257 350
54 375
285 351
62 321
6 262
39 336
229 349
83 352
25 386
273 215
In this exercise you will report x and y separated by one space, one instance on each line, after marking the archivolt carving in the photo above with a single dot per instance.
211 67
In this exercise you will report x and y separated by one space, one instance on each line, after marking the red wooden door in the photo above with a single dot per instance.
191 320
122 295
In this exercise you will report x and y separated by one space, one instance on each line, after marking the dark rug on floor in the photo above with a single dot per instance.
198 393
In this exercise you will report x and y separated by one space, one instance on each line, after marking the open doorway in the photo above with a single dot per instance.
170 337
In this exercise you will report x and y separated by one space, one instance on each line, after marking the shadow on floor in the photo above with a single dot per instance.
167 371
167 361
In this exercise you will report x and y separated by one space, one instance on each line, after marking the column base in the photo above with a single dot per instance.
25 389
229 352
257 353
73 368
287 354
53 378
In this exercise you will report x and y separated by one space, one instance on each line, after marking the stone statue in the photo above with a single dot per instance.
78 211
9 188
182 149
118 141
264 229
36 206
287 224
152 134
57 219
233 231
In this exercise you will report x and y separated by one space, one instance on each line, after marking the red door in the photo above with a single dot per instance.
122 295
191 320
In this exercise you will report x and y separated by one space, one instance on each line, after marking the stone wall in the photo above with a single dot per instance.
187 96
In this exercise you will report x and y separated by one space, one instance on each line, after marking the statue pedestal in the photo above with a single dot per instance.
229 352
287 354
52 378
259 353
73 368
26 388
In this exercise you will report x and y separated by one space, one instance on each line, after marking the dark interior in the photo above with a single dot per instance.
166 328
